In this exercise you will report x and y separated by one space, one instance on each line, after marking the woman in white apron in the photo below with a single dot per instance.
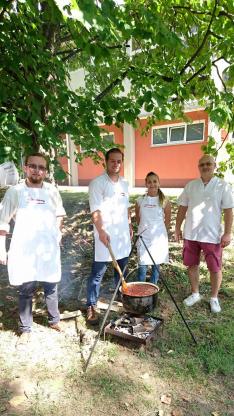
153 215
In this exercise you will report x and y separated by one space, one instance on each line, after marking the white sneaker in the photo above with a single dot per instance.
215 306
192 299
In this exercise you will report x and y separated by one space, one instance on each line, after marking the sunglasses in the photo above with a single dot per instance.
201 165
41 168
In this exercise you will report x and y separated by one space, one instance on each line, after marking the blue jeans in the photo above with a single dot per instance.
95 279
26 292
142 270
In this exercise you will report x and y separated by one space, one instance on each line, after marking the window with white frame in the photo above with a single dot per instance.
109 137
178 133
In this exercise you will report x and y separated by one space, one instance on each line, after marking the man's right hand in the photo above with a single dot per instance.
104 237
3 256
178 235
3 253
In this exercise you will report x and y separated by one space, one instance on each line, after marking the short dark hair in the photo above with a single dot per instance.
113 150
37 154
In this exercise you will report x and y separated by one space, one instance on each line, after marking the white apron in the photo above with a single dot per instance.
153 232
112 200
115 220
34 253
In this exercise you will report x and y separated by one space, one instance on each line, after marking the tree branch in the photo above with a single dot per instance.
4 9
70 55
118 80
221 13
119 46
66 38
218 59
21 122
76 50
226 14
147 74
13 75
219 75
195 74
196 53
110 87
189 9
217 36
202 69
224 140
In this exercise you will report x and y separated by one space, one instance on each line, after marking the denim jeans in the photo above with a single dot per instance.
26 292
95 279
142 270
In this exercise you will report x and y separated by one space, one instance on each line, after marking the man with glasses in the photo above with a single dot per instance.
201 205
34 254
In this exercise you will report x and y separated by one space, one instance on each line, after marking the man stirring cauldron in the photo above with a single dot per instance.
109 206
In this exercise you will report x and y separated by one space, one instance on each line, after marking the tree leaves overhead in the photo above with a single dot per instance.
176 46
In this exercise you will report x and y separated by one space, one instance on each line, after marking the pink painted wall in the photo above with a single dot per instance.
175 164
88 170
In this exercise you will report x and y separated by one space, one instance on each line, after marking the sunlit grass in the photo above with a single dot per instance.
122 380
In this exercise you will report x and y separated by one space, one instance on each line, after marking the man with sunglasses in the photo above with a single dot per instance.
201 205
34 254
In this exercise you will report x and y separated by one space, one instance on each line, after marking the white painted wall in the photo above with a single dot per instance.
129 154
72 164
77 79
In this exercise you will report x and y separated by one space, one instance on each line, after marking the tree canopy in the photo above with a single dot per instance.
176 47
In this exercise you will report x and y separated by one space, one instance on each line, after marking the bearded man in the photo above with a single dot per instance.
34 254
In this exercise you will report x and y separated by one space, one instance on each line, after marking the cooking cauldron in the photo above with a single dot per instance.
140 298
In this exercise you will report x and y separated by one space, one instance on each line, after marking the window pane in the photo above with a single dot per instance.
160 136
176 134
109 137
194 132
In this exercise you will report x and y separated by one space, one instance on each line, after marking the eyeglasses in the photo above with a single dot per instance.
41 168
201 165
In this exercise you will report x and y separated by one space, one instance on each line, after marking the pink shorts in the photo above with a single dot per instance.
212 252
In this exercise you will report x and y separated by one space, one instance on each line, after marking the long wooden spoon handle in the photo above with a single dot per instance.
116 263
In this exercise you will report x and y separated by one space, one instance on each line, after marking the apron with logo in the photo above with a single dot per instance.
153 231
114 210
34 253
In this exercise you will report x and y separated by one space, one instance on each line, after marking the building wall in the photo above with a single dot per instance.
64 163
88 169
175 164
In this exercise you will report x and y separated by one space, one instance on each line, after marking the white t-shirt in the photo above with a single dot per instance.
205 204
112 200
34 253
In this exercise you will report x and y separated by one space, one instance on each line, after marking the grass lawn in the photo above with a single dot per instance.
172 377
177 356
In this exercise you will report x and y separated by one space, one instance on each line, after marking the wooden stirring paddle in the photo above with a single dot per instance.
124 284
